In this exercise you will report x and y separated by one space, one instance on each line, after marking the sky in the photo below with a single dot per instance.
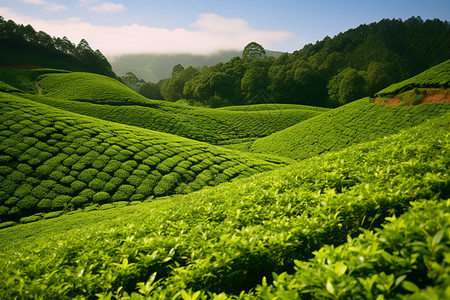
119 27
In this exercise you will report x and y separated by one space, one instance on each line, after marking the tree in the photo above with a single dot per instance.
352 87
172 88
176 70
132 81
253 51
256 79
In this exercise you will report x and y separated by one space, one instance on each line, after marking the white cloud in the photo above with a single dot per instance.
211 33
47 5
107 7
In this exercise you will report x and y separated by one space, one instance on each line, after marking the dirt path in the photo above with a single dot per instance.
38 88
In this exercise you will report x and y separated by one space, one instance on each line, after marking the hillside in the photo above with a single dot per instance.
361 120
292 233
53 161
105 98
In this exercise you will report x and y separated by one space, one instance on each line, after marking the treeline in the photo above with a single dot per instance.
23 46
331 72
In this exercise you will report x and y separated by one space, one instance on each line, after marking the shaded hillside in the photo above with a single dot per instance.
309 230
21 45
54 160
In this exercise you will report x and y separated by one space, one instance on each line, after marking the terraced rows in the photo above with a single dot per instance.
357 122
272 106
53 161
202 124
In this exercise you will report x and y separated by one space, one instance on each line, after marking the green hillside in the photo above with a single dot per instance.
292 233
105 98
54 160
356 122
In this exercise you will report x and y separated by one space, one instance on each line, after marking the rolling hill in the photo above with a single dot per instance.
105 98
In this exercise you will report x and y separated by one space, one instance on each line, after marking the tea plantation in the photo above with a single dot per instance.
53 161
371 221
105 194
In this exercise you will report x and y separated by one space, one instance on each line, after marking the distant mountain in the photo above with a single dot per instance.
154 67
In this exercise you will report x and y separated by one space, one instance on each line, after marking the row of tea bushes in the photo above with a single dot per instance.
53 160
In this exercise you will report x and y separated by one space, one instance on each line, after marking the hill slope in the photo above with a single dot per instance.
105 98
53 160
356 122
263 236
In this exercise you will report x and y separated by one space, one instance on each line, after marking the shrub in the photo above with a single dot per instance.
129 165
4 170
27 203
121 173
101 197
112 166
78 185
39 192
44 170
87 193
134 180
53 214
16 176
24 168
166 184
60 201
45 204
79 201
30 219
67 179
23 190
87 175
97 184
56 175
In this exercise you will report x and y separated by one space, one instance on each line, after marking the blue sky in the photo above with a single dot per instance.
199 26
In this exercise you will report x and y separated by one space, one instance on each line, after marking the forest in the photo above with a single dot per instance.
21 45
329 73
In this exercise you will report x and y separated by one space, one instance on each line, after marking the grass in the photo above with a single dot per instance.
272 106
435 77
54 160
356 122
373 217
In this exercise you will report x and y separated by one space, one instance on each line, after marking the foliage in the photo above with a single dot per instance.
313 229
